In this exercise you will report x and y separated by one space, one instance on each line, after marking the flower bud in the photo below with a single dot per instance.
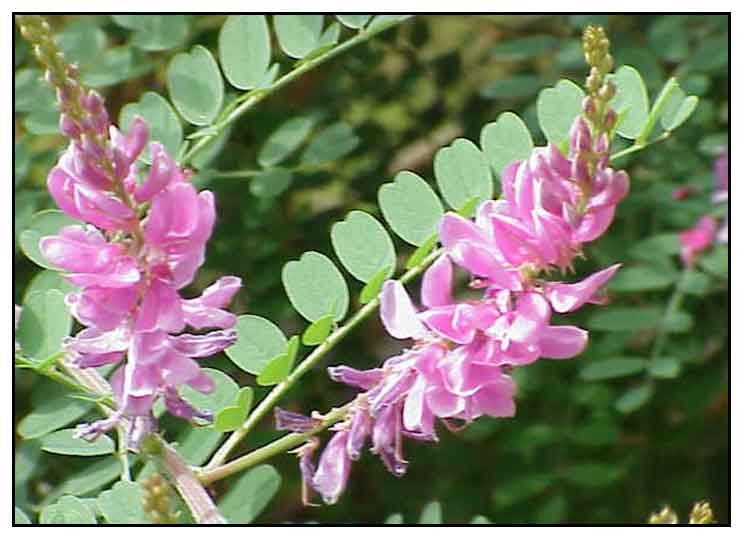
68 126
664 516
701 513
607 91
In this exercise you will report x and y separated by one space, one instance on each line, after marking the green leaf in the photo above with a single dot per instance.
641 278
592 474
57 410
462 173
557 108
479 520
195 85
354 21
245 50
678 322
515 87
298 34
372 288
625 319
553 511
247 497
44 223
468 208
271 183
596 433
696 283
292 348
363 245
225 391
197 445
45 321
31 91
315 287
659 244
330 144
521 489
68 510
93 477
82 41
318 331
674 116
63 443
123 504
163 122
229 419
328 38
394 518
505 140
431 514
630 102
423 251
19 517
634 399
605 369
285 139
244 399
664 367
258 341
48 280
411 208
275 371
716 262
115 65
155 32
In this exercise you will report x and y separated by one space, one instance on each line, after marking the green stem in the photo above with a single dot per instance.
283 444
318 353
255 97
674 304
123 453
637 147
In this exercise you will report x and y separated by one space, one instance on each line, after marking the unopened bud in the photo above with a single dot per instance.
701 513
607 91
68 126
664 516
610 120
589 106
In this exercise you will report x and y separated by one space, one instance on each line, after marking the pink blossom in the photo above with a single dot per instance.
696 239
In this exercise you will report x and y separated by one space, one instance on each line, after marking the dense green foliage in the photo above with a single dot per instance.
606 437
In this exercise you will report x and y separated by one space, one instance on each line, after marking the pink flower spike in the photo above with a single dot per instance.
696 239
562 342
437 283
399 316
569 297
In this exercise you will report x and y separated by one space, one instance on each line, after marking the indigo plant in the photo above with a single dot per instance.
129 320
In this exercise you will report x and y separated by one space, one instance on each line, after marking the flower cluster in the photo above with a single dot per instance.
458 368
706 231
142 241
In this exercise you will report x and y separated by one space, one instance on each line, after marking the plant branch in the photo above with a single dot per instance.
318 353
283 444
250 99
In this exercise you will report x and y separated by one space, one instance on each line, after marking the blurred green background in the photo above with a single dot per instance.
580 450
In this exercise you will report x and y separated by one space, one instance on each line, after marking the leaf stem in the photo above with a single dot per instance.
254 97
318 353
283 444
637 147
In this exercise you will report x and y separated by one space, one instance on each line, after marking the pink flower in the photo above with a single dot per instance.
697 239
